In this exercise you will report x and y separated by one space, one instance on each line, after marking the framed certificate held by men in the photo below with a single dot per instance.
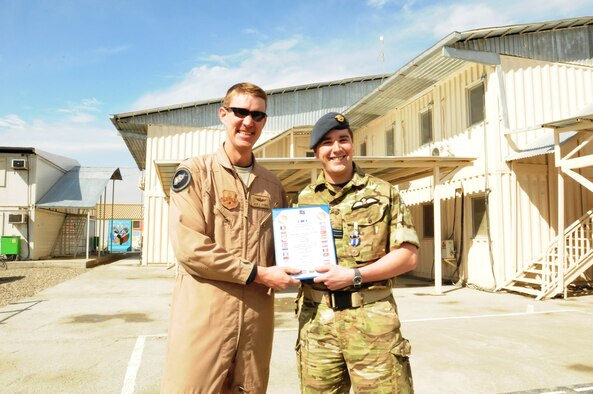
303 239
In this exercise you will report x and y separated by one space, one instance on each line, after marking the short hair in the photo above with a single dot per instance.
244 88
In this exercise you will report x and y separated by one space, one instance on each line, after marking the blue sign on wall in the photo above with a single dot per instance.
120 237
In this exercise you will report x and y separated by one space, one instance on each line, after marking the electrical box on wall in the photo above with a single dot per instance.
19 164
447 249
16 218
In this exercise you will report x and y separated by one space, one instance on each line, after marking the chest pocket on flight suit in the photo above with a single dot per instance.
261 206
228 227
372 232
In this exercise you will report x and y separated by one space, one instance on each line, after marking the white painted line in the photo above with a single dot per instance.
133 366
462 317
485 316
584 389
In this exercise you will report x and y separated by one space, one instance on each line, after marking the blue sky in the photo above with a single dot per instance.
66 65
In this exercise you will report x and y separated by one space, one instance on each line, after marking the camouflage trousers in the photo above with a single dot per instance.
361 347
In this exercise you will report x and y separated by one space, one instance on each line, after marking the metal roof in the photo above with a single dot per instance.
582 120
439 61
81 187
287 107
296 173
541 146
63 162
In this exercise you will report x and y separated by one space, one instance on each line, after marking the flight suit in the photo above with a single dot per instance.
356 341
221 329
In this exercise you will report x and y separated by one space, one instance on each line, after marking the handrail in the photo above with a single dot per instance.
578 238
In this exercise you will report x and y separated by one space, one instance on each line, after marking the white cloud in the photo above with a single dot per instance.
409 28
284 63
12 122
88 143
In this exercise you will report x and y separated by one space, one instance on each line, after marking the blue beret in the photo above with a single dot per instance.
328 122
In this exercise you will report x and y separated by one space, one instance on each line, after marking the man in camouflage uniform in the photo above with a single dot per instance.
349 329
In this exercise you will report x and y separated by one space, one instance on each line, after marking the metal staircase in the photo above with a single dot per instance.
545 277
70 240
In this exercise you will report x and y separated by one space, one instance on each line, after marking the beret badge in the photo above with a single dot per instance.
340 118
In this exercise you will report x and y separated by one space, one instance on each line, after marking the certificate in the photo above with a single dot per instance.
303 239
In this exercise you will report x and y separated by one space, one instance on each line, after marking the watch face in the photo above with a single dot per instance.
357 280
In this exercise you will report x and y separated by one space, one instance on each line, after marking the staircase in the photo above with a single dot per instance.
71 238
543 278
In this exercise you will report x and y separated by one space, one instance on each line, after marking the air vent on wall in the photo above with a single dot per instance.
19 164
16 218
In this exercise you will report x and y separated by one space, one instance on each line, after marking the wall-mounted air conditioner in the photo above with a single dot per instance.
19 164
16 218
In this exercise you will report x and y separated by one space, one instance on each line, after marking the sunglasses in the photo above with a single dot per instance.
243 113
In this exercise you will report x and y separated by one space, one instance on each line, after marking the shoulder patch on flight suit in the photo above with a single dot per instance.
180 180
259 201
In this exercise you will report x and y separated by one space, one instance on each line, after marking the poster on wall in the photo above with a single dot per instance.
120 237
137 228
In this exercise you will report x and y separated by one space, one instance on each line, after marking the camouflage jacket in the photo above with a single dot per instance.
368 217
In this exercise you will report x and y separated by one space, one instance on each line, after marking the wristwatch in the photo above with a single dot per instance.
357 280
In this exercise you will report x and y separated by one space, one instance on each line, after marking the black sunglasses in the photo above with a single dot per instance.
243 113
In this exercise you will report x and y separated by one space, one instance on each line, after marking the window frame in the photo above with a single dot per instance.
470 104
426 135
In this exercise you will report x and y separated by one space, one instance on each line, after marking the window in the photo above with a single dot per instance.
475 104
428 221
426 127
363 149
479 219
309 153
389 143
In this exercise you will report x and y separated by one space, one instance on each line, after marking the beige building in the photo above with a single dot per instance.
486 134
47 204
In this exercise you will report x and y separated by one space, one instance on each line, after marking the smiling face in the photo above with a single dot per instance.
335 152
242 133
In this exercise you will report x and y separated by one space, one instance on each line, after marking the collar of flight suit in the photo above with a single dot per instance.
224 161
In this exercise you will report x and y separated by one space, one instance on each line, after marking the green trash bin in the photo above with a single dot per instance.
10 245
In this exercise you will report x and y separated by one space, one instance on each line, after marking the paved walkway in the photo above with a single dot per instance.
104 332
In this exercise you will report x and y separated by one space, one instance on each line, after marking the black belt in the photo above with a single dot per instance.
339 300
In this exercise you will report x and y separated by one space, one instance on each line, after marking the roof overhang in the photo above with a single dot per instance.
567 129
297 173
80 188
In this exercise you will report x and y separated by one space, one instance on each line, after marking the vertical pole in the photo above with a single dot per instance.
88 231
438 280
560 237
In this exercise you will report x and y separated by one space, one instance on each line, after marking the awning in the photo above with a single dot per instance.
81 187
296 173
541 146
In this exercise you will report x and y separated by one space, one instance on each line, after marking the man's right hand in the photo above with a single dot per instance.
277 278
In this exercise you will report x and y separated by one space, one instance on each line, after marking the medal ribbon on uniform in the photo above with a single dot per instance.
355 236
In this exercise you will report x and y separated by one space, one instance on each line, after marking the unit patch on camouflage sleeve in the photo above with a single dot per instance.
180 179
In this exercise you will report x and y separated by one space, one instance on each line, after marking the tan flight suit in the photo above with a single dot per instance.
220 332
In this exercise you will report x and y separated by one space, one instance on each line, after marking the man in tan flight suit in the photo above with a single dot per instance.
221 327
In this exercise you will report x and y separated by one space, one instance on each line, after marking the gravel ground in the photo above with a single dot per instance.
18 283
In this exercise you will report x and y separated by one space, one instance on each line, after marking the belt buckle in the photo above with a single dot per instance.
340 300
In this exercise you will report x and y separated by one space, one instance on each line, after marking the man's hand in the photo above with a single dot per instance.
276 278
334 277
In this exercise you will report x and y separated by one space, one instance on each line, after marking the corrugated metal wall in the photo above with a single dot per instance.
46 227
568 45
536 92
168 143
